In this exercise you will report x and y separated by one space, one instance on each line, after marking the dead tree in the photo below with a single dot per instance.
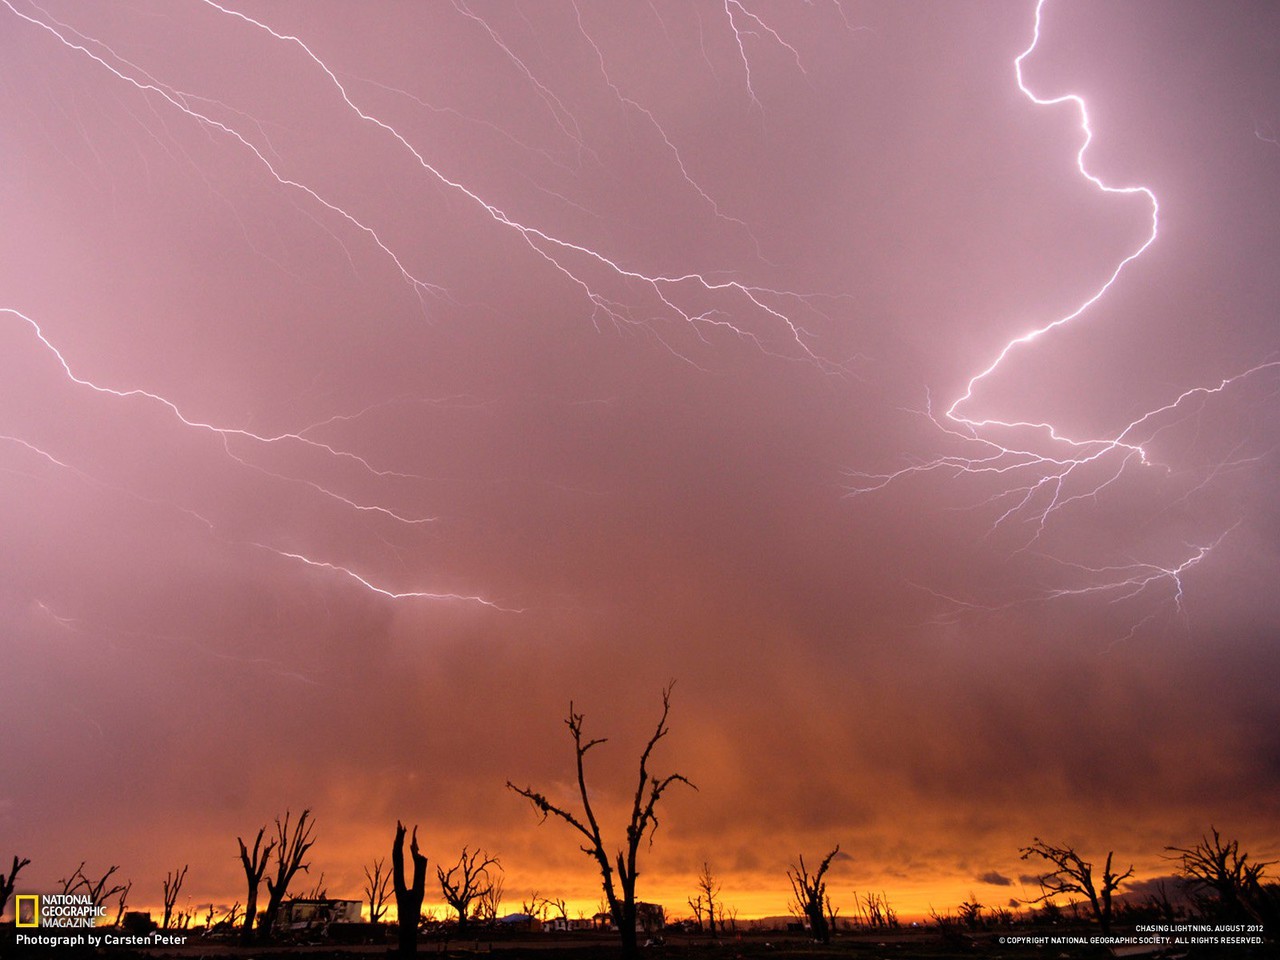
318 891
1222 869
874 911
490 902
124 899
697 906
408 895
377 889
97 890
1071 874
467 881
810 892
172 884
6 883
291 846
833 914
255 865
620 895
708 892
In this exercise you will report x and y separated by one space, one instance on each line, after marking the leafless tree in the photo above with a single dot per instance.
540 907
465 882
810 892
1072 874
621 896
698 906
6 883
377 889
291 844
172 884
319 890
97 890
708 894
489 902
833 914
1218 867
255 865
124 899
874 911
408 894
562 908
230 918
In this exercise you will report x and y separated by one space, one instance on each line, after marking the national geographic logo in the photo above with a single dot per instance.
57 910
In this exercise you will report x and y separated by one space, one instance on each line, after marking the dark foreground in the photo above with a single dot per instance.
922 944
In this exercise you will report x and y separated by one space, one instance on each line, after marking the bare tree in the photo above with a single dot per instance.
172 884
6 883
466 881
291 846
490 901
319 890
621 896
97 890
255 865
377 889
1071 874
810 891
408 895
124 899
833 914
231 917
1221 868
874 911
708 892
698 906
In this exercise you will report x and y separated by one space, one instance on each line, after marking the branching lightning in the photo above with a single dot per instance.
568 258
1036 485
1038 469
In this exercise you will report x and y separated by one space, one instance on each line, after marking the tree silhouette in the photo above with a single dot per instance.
1224 870
706 900
291 845
255 865
1071 874
468 880
6 883
620 895
408 895
376 889
810 891
172 884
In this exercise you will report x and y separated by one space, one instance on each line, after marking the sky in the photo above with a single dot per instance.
377 379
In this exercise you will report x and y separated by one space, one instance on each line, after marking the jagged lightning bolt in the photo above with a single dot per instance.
1038 484
553 250
226 434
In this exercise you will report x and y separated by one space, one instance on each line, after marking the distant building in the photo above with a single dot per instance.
650 919
570 925
307 914
521 921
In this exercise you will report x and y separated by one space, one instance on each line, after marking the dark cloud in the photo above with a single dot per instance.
995 878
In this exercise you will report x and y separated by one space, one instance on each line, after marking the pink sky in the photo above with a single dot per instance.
570 368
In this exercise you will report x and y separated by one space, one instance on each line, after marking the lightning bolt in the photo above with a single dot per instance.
556 251
1038 484
680 295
